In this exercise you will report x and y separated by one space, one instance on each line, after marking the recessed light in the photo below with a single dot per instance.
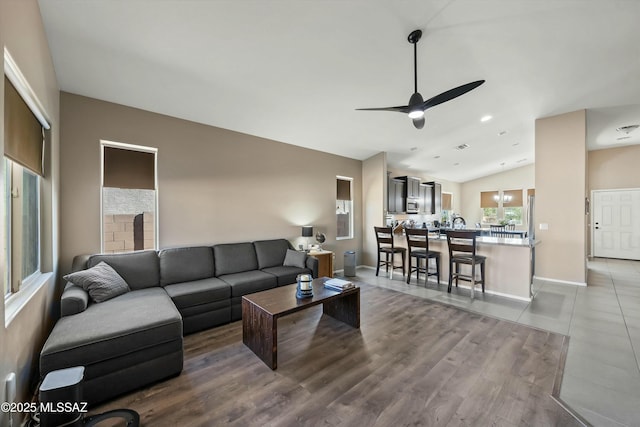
462 146
502 133
486 118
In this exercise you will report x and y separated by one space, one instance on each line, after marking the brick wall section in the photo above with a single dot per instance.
149 230
118 232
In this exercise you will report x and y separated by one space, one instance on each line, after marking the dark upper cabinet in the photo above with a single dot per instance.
425 199
395 195
412 186
436 197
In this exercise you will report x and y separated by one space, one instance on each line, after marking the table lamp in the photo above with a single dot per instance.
307 231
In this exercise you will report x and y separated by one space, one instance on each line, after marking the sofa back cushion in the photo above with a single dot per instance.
271 253
140 269
179 265
232 258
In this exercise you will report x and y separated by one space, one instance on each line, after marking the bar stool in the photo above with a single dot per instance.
462 250
418 246
384 237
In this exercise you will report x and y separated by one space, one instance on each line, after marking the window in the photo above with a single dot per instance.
129 198
24 126
502 207
489 205
23 225
344 208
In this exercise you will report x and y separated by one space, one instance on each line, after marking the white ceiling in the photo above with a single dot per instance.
295 71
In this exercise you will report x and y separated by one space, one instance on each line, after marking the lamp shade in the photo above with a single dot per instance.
307 231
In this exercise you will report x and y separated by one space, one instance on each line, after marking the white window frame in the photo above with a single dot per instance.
352 213
15 301
132 147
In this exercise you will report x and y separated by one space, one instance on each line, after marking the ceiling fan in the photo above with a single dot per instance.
417 105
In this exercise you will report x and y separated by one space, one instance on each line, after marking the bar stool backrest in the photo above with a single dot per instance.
462 241
417 238
384 236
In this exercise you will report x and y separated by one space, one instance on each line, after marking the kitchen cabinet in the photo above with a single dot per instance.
425 199
412 186
436 197
395 196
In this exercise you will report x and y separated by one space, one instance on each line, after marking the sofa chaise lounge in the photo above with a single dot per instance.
135 338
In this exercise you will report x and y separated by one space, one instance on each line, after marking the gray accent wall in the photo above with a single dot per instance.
22 33
214 185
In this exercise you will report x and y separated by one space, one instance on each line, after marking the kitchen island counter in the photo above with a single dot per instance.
508 268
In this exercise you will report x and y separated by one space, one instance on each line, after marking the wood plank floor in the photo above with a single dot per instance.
413 362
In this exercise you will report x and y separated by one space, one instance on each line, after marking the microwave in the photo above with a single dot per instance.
412 206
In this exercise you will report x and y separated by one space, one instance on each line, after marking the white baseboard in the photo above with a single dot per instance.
562 282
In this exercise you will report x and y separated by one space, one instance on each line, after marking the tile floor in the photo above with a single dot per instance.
602 373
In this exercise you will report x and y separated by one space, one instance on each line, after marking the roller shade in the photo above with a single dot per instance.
531 192
446 201
23 134
489 199
129 169
344 189
512 198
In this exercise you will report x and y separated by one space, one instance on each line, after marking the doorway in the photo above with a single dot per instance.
615 229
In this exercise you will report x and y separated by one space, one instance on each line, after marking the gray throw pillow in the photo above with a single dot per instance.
294 259
101 281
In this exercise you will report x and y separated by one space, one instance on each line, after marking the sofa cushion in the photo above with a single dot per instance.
286 275
249 281
179 265
101 281
233 258
198 292
294 259
139 269
271 253
127 323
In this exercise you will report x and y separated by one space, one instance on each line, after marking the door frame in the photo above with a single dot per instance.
592 210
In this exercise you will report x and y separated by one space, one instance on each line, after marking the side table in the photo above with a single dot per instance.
325 262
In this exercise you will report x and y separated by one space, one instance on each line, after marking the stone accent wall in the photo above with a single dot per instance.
119 232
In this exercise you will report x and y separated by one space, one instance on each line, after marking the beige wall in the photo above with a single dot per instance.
374 194
513 179
214 185
560 177
614 168
22 32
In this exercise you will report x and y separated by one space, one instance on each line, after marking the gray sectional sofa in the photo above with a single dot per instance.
135 338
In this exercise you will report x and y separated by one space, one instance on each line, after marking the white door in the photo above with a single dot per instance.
615 227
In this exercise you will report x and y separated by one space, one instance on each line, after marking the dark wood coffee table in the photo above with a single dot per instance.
260 313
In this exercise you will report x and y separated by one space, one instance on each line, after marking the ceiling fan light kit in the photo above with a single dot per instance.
417 105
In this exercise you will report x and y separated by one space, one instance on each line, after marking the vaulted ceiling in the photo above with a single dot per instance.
295 71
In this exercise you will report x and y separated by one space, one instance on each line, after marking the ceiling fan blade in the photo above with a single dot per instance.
419 123
398 109
450 94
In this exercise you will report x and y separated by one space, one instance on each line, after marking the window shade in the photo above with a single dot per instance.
129 169
488 199
344 189
531 192
446 201
516 198
23 134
